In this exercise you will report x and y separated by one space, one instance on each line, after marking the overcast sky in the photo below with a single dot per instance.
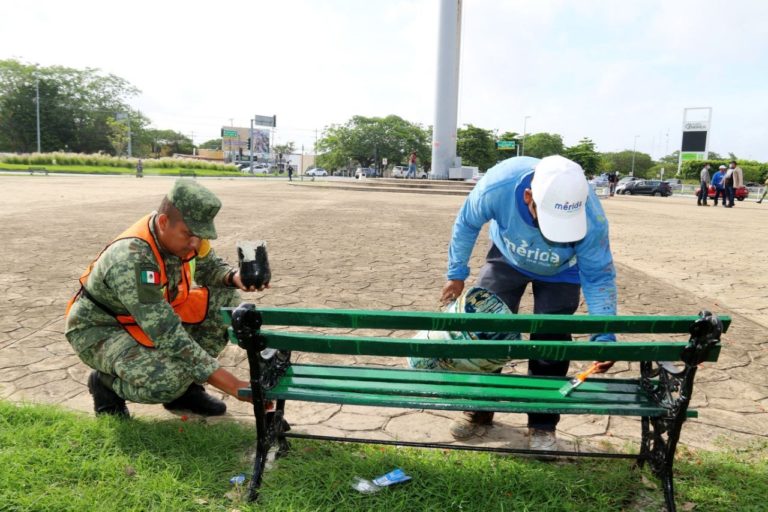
608 70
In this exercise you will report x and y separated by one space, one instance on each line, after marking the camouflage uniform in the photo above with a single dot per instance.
183 353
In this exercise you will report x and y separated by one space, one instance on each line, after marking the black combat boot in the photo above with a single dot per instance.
105 400
196 400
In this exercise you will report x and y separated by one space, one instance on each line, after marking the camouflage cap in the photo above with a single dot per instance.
198 206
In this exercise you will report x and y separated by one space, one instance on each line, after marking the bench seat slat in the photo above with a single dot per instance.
552 350
417 402
452 391
423 320
519 395
407 376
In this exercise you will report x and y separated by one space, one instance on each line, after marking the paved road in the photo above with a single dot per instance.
344 249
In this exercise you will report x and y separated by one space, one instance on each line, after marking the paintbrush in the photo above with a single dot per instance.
578 379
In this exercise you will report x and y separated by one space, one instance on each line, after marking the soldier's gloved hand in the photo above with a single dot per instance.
239 284
603 366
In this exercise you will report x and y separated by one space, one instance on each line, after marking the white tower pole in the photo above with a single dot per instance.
447 96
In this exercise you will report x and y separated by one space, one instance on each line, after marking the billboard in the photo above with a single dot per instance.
695 143
235 140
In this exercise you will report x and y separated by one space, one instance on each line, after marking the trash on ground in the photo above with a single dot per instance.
237 479
371 486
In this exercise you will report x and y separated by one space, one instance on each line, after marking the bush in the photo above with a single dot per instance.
753 171
97 160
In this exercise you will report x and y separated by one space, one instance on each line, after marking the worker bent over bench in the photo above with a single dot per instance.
659 394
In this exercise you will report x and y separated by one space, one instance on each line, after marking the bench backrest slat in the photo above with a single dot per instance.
401 320
554 350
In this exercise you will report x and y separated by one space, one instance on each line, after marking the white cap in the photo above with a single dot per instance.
560 191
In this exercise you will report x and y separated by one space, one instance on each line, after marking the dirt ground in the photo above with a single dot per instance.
347 249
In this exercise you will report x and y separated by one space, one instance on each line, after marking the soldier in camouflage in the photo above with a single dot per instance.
128 322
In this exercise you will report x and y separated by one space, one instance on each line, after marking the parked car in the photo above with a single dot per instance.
316 171
648 187
675 183
401 171
622 183
740 193
365 172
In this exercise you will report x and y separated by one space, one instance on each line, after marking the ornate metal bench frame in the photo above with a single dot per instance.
669 387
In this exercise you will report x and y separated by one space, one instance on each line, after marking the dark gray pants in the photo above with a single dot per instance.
502 279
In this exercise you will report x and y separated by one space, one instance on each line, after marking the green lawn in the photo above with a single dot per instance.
55 460
104 169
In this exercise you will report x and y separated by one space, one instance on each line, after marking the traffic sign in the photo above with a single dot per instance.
506 145
229 134
270 121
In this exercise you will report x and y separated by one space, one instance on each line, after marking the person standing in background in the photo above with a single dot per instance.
704 190
411 166
717 182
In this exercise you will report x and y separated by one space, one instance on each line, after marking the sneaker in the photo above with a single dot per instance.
542 440
196 400
471 424
105 400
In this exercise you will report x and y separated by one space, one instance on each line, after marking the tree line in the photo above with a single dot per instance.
87 111
80 111
370 141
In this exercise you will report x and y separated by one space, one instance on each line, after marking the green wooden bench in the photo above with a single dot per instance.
38 170
659 394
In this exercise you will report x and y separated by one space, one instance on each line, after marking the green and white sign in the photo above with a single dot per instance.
229 134
506 145
690 155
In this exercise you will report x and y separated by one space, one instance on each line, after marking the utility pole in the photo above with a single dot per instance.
130 148
634 145
37 108
250 149
231 125
522 143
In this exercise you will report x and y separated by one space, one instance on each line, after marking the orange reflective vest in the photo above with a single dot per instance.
190 304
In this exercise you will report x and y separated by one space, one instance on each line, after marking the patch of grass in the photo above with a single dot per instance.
95 169
56 460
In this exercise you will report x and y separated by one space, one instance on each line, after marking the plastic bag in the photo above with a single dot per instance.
473 300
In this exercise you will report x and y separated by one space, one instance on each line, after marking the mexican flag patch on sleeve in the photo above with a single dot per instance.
150 277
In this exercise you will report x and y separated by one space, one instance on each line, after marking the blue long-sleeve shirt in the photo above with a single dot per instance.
717 179
498 199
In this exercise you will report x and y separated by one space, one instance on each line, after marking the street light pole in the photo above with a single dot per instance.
232 126
37 108
634 145
130 148
522 145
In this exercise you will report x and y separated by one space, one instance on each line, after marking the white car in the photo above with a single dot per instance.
316 171
401 171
